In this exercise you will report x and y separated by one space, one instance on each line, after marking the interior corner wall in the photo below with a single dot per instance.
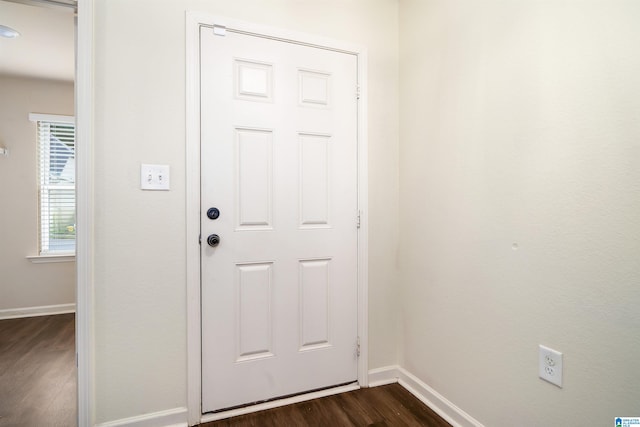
25 285
139 246
520 202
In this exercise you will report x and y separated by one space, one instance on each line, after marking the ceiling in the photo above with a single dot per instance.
45 48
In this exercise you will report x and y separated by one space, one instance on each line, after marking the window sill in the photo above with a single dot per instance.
43 259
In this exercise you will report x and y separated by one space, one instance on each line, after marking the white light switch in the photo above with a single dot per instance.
154 177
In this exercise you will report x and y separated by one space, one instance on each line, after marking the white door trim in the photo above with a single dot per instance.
194 20
84 213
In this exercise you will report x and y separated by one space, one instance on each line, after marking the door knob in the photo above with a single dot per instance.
213 213
213 240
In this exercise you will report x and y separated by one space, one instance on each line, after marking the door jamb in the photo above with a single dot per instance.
84 213
194 20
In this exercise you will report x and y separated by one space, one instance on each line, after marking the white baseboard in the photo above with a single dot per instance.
176 417
45 310
434 400
383 376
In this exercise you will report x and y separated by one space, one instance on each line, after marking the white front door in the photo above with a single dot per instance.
279 163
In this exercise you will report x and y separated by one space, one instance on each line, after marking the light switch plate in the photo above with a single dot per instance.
154 177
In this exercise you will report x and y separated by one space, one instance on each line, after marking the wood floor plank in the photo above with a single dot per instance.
357 411
384 406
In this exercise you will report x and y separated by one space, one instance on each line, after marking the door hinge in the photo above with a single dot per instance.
199 239
358 92
358 347
358 220
219 30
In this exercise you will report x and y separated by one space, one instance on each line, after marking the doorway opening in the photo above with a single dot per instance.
253 213
38 290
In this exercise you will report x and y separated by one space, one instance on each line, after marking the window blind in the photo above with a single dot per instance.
56 175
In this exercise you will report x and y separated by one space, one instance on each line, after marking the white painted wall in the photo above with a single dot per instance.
23 284
140 325
520 125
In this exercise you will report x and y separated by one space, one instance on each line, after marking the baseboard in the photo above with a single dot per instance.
176 417
434 400
383 376
45 310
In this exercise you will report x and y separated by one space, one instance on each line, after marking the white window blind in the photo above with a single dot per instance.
57 181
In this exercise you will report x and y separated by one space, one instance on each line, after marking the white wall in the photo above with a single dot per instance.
23 284
140 325
519 125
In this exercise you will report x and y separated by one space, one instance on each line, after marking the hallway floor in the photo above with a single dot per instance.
384 406
38 388
37 371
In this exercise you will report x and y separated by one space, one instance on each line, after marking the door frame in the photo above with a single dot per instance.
84 213
195 20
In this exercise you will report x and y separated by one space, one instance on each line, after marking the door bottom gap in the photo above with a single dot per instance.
287 396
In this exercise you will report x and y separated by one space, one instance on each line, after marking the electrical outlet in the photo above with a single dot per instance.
154 177
550 365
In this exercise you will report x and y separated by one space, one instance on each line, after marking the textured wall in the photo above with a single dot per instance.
23 284
520 202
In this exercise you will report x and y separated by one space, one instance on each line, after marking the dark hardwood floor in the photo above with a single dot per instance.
38 388
37 371
389 405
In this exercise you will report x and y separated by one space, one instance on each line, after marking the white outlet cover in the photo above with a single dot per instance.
550 365
154 177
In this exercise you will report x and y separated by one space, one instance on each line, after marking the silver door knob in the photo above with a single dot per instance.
213 240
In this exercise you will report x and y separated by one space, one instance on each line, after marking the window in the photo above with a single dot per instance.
57 183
